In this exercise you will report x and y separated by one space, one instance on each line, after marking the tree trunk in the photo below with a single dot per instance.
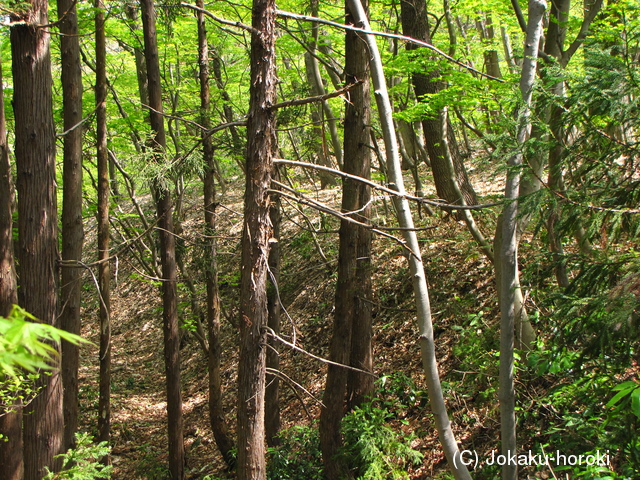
262 147
319 137
317 87
10 421
236 140
164 207
554 46
72 228
353 287
421 291
487 35
415 24
104 276
509 278
508 50
466 214
216 411
356 197
272 389
37 250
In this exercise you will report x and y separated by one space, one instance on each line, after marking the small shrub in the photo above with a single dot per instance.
372 449
298 455
83 461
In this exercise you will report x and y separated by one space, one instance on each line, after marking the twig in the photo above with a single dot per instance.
231 23
390 191
308 18
292 384
317 98
71 129
275 336
102 302
323 208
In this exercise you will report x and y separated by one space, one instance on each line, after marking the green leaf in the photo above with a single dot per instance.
624 389
635 402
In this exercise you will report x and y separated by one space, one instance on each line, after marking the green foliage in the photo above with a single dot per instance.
298 455
476 351
25 351
397 392
23 343
372 448
83 461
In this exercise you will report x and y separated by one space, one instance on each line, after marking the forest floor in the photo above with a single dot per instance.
462 290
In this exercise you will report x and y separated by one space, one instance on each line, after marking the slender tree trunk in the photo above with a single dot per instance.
508 50
554 46
508 252
216 411
164 208
104 274
403 214
72 228
10 421
37 250
319 137
317 87
236 140
262 146
415 24
353 287
466 214
272 389
131 11
451 27
356 197
405 220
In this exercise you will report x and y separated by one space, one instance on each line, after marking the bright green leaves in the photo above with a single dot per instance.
627 396
23 343
84 462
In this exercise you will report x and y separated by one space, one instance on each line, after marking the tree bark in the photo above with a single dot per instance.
351 337
416 266
72 228
10 421
216 412
37 250
261 149
104 274
356 198
415 24
164 207
487 35
509 278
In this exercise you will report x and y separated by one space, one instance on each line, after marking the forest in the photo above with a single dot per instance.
319 240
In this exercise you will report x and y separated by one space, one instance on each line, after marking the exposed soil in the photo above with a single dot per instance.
461 283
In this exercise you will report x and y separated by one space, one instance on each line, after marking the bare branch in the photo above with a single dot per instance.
323 208
308 18
317 98
292 383
589 16
277 337
518 11
388 190
231 23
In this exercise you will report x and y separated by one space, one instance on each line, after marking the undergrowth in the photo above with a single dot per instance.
373 449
